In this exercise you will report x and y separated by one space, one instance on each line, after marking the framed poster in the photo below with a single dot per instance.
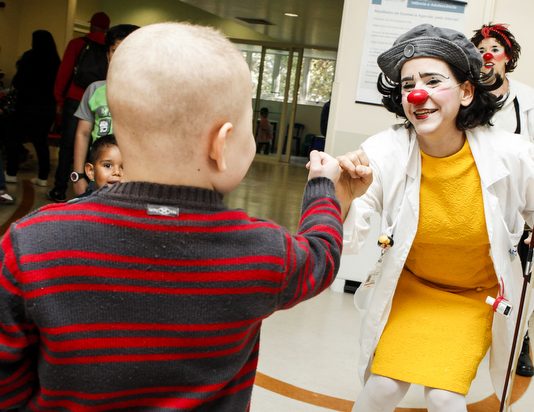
387 20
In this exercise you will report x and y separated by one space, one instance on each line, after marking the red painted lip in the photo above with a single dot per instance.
425 115
422 116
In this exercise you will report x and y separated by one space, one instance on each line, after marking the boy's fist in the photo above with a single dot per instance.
322 164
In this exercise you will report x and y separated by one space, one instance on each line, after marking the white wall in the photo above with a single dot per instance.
9 20
17 22
350 123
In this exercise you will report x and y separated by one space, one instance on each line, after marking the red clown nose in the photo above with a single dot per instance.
487 56
418 96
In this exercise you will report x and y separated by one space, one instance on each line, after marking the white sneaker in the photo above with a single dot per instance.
11 179
39 182
6 198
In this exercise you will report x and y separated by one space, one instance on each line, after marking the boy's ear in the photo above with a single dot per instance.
218 145
89 171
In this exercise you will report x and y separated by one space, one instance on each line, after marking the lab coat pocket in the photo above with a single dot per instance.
512 235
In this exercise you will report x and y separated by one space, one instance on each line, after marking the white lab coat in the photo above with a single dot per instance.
505 164
506 117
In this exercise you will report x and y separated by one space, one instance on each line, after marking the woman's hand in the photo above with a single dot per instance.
356 177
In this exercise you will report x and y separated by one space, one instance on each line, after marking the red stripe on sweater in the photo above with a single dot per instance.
24 367
8 356
149 357
16 384
149 402
110 257
140 342
10 264
93 288
16 329
17 342
95 327
213 216
43 219
8 403
249 367
310 280
322 205
219 274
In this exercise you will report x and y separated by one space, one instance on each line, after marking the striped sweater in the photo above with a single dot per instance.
145 297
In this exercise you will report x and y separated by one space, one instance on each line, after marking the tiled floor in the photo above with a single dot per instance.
308 354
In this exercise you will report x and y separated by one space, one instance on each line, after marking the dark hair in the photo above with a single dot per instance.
43 44
479 112
119 32
37 70
264 111
504 37
99 145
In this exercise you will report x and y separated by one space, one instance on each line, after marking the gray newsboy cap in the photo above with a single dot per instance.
426 40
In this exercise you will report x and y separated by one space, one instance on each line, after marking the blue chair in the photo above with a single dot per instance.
317 143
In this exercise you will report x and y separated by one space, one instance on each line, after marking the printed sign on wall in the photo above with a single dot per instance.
387 20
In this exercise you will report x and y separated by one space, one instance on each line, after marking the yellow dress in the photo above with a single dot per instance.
439 328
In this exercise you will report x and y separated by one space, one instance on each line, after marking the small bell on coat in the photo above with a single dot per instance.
385 241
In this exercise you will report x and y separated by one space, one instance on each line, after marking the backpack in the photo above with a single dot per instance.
91 65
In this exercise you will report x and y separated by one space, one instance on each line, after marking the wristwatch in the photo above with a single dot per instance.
75 176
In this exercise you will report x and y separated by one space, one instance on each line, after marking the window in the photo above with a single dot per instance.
318 68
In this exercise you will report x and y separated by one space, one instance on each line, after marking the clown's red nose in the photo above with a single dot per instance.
487 56
418 96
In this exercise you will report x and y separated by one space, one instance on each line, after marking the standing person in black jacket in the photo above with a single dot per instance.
34 82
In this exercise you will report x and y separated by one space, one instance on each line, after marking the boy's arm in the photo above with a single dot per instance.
86 120
313 255
18 337
81 146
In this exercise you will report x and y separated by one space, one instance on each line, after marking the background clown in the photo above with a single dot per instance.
500 53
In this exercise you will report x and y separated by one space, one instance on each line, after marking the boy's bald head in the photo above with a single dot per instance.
170 83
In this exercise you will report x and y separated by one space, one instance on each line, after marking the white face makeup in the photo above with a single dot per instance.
434 113
493 56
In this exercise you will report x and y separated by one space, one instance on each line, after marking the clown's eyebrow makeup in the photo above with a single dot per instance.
423 75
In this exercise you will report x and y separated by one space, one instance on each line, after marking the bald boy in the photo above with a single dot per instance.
149 294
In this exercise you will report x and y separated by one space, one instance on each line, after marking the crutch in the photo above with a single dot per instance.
519 332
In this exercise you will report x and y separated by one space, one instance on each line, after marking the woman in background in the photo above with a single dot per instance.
34 83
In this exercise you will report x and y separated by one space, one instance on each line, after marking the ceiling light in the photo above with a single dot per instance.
291 15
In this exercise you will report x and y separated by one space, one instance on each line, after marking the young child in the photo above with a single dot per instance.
264 132
150 294
104 166
94 118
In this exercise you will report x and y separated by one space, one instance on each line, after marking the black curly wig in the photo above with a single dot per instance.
479 112
504 37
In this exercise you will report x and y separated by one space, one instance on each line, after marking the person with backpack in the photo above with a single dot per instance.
81 65
94 118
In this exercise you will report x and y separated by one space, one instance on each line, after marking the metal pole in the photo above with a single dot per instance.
283 114
258 91
296 85
519 332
